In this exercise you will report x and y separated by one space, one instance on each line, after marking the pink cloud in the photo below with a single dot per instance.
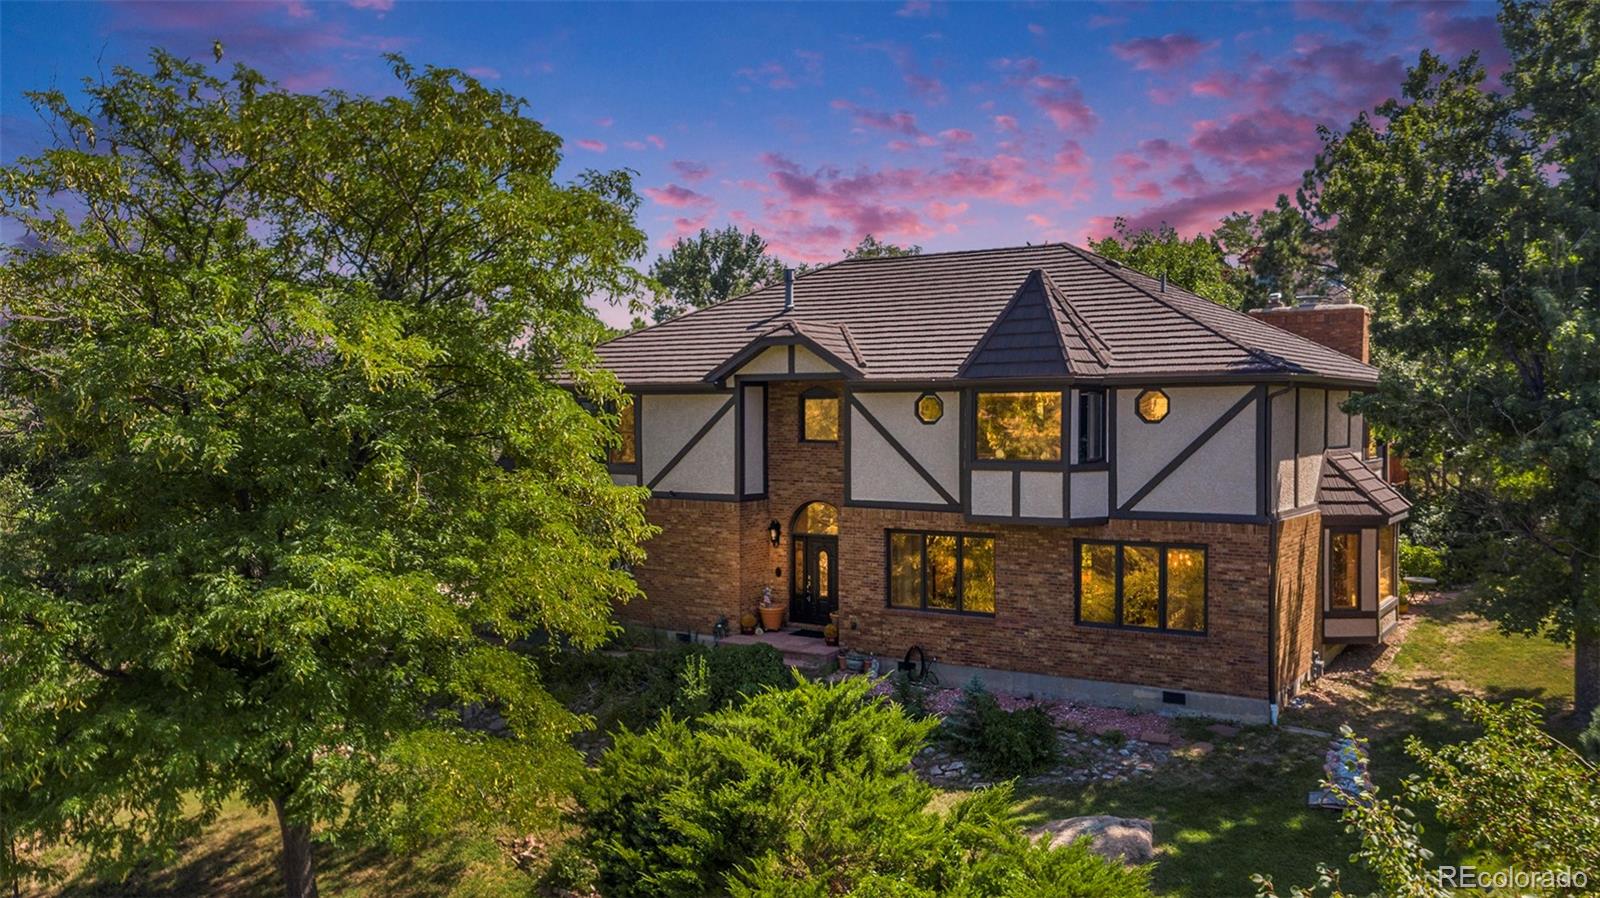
1036 29
901 122
655 141
1458 36
677 196
605 121
374 5
484 73
1005 123
957 135
593 146
1070 159
1038 221
693 172
1257 137
1201 212
1099 21
1058 96
914 9
1163 53
1128 189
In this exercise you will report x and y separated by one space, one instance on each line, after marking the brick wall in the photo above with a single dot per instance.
1032 628
714 557
1340 327
1299 600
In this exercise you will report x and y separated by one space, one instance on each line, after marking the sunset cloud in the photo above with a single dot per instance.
1160 54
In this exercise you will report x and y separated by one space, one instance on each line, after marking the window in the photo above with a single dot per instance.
930 408
1019 426
819 417
1385 562
1152 406
1091 426
941 572
627 452
1142 586
1344 569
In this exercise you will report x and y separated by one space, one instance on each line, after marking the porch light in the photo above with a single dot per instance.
774 531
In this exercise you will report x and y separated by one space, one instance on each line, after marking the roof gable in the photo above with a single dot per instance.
1351 492
1035 335
831 342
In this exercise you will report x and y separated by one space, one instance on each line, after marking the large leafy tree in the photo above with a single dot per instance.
1476 213
710 267
1197 264
292 459
1278 250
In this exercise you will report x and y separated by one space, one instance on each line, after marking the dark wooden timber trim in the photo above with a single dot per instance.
1189 450
904 454
693 442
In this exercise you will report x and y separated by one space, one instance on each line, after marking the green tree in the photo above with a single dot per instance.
289 464
1278 250
871 247
1197 264
710 267
1476 214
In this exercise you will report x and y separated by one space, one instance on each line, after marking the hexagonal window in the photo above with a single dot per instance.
930 408
1152 406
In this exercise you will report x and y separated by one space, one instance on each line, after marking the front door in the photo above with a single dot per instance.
815 590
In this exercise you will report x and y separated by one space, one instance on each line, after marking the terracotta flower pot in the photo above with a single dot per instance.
771 617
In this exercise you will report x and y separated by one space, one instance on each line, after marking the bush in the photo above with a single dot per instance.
808 792
998 742
1421 561
633 688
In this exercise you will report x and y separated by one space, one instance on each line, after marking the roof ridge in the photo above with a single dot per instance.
1117 272
1055 296
951 252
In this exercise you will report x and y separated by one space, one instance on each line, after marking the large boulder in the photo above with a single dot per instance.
1127 839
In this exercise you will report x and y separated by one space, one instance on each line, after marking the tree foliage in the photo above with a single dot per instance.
287 465
1278 250
1512 790
710 267
870 247
809 792
1197 264
1475 215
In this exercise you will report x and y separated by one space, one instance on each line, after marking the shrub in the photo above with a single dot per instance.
808 792
998 742
633 688
1421 561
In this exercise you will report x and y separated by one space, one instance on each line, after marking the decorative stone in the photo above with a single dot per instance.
1128 839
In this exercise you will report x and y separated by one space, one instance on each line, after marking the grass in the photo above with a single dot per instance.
237 858
1242 809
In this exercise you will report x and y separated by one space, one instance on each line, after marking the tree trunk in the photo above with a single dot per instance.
299 861
1586 673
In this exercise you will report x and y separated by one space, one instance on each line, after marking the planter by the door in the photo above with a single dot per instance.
771 617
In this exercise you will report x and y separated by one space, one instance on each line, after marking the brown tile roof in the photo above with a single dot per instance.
919 318
1352 492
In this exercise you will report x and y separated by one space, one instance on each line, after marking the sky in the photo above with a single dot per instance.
949 126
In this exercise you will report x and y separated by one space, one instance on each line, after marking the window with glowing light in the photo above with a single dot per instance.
1142 586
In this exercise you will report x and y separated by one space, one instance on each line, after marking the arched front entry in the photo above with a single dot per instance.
814 572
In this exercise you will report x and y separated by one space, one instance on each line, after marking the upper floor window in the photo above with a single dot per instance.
1091 426
819 416
1142 585
1019 426
627 451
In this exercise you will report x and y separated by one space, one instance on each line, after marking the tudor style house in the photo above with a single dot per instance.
1044 469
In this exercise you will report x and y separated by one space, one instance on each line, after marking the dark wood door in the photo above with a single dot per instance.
815 584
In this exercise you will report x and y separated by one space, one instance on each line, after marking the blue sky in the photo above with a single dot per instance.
945 125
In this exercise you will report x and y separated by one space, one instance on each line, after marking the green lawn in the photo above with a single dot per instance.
1242 809
237 857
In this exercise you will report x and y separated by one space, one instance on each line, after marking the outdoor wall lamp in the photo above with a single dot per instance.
773 532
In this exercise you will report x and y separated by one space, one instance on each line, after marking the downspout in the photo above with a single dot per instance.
1272 620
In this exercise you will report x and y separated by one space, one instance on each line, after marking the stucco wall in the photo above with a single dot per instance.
667 423
879 473
1220 477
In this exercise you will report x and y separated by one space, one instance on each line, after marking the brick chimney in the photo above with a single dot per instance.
1338 325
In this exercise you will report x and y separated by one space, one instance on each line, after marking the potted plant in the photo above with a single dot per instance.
830 634
771 611
747 623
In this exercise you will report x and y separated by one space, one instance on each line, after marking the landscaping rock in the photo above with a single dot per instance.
1128 839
